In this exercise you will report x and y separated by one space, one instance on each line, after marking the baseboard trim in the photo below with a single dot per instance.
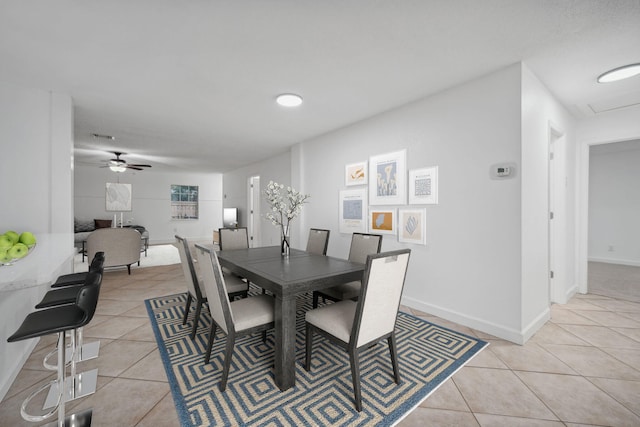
571 292
490 328
616 261
536 324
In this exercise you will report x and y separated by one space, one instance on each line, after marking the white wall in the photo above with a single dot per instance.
37 143
469 271
614 204
480 267
151 201
36 136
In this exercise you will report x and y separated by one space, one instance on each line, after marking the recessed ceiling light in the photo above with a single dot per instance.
619 73
289 100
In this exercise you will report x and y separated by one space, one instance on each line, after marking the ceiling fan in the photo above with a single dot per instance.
120 165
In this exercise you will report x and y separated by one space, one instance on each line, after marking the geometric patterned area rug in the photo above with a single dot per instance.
428 355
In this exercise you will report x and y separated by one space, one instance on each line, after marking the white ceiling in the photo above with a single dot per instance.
191 84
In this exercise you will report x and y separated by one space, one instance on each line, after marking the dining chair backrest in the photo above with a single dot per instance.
213 282
318 241
363 244
87 298
380 294
233 238
97 263
189 270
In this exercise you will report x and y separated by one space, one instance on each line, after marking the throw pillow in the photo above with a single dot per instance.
102 223
81 226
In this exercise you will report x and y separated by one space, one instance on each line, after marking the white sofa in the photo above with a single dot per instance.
121 246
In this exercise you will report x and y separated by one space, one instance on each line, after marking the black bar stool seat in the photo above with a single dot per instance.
62 296
75 279
51 321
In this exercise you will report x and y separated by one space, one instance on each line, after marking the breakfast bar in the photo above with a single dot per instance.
22 285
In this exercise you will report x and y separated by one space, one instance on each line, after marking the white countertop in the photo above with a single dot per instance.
52 254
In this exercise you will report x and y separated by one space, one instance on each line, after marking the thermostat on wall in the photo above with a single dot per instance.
503 170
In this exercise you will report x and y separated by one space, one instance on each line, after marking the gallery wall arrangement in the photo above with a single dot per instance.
386 197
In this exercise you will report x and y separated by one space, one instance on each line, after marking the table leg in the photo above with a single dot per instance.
285 351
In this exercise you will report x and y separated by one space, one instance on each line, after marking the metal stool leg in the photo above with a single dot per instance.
59 381
84 351
78 384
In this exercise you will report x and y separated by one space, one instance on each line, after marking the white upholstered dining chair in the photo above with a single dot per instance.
195 291
362 244
318 241
237 318
358 325
233 238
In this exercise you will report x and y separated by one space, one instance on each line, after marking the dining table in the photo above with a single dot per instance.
286 277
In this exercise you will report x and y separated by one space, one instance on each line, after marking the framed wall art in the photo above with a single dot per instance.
118 197
355 174
184 202
387 179
382 221
423 186
353 211
412 225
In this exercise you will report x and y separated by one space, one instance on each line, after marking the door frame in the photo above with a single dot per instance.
557 214
253 214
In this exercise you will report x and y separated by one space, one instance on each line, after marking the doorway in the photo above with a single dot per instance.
613 254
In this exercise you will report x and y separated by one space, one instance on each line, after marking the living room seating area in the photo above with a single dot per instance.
82 229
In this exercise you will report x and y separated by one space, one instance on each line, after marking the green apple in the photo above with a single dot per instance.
15 237
19 250
28 238
5 242
3 256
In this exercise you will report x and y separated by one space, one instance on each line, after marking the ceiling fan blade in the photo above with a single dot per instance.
118 162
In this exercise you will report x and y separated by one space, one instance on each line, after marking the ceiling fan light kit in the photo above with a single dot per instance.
117 168
119 165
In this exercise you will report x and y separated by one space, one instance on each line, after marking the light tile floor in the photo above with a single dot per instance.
581 369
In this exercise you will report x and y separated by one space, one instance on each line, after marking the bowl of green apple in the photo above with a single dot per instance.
14 246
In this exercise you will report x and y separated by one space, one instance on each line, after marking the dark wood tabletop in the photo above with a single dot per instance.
300 272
